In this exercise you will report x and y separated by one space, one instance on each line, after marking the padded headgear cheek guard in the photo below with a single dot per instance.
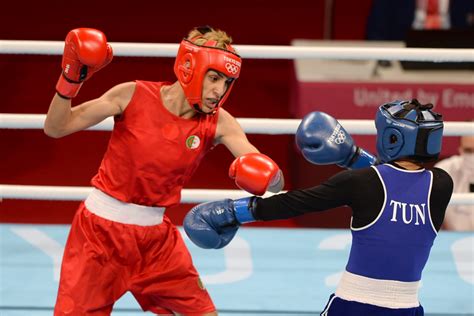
408 129
194 61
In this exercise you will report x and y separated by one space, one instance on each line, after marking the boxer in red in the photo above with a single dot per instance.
120 239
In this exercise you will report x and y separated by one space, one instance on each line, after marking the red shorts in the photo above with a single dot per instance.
104 259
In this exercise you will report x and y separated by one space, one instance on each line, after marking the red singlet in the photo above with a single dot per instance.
152 153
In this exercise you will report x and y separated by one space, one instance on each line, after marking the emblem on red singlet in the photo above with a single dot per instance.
193 142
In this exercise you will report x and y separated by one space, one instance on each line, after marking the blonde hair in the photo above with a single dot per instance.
200 35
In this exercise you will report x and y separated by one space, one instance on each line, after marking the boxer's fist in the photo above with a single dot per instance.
254 173
322 140
212 225
85 52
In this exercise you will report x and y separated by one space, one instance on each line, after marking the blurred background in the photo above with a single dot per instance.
266 88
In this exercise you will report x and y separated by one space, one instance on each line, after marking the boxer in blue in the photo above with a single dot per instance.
397 205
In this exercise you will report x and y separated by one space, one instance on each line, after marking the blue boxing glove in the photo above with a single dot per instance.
213 225
322 140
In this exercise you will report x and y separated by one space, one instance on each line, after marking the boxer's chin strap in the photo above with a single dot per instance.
198 109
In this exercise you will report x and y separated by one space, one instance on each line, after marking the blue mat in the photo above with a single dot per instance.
263 271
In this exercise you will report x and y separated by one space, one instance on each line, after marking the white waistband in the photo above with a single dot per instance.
384 293
107 207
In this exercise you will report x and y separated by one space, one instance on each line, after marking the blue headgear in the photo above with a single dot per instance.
408 129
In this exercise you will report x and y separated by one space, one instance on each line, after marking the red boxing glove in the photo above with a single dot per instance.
254 172
85 52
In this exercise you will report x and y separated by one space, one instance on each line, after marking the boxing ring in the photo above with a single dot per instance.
263 271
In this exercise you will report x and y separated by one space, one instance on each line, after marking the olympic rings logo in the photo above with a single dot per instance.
232 69
340 138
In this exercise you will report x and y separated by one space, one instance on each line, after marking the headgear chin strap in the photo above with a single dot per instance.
192 63
408 129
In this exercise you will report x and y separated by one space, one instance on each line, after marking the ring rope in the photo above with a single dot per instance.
257 51
78 193
71 193
250 125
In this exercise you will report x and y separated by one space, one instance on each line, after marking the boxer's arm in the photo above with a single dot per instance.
62 119
231 135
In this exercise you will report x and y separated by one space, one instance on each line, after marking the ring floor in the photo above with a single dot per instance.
263 271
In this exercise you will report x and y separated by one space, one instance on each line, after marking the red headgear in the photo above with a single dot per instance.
192 63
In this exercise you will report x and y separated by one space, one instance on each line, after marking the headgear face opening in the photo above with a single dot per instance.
408 129
194 61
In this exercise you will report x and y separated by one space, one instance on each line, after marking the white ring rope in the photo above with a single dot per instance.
258 51
64 193
250 125
70 193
